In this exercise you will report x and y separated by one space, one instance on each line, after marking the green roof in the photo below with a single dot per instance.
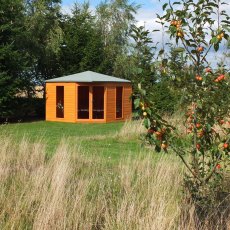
87 76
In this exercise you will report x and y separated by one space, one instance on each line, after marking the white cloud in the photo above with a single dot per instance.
67 9
147 17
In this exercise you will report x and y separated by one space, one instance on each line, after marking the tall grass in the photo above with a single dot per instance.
72 191
131 129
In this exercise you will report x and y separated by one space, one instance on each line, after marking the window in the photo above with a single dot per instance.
60 101
119 94
98 102
83 102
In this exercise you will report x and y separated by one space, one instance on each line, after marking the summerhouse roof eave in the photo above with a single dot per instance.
88 77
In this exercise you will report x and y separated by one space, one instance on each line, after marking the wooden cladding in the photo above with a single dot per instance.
88 102
60 101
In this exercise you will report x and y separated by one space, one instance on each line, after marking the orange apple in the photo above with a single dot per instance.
199 78
164 146
180 34
218 166
208 70
200 49
221 122
219 37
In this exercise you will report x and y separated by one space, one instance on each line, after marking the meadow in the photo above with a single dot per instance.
97 176
106 140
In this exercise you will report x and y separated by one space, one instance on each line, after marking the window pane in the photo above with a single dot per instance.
60 101
119 92
98 102
83 102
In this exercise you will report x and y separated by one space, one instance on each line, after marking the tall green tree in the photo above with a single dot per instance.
82 47
44 36
114 18
136 65
13 58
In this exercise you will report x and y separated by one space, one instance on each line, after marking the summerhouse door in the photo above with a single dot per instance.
98 102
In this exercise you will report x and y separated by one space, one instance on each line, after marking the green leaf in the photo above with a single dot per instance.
216 47
146 123
177 39
136 114
137 103
187 42
208 127
148 110
164 6
179 49
164 62
161 52
214 40
176 3
199 104
142 92
226 36
225 21
139 70
169 11
157 148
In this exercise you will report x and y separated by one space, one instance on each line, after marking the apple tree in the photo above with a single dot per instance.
199 28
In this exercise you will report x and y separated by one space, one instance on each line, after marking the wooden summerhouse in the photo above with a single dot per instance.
88 97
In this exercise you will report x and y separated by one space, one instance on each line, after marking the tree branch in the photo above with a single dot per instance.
204 58
186 164
213 170
194 60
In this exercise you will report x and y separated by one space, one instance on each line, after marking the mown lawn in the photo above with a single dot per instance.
100 139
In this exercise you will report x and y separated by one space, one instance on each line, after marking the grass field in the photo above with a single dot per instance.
104 138
97 176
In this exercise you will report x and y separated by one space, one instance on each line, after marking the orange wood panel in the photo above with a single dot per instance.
50 101
69 102
127 102
111 103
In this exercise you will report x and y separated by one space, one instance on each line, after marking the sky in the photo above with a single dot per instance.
146 15
145 3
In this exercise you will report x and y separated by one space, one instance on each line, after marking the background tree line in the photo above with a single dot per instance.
38 42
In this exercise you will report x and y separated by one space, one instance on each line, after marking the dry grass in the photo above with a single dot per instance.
131 129
72 191
177 120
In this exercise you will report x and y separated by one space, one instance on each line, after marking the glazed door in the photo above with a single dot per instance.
98 102
83 102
